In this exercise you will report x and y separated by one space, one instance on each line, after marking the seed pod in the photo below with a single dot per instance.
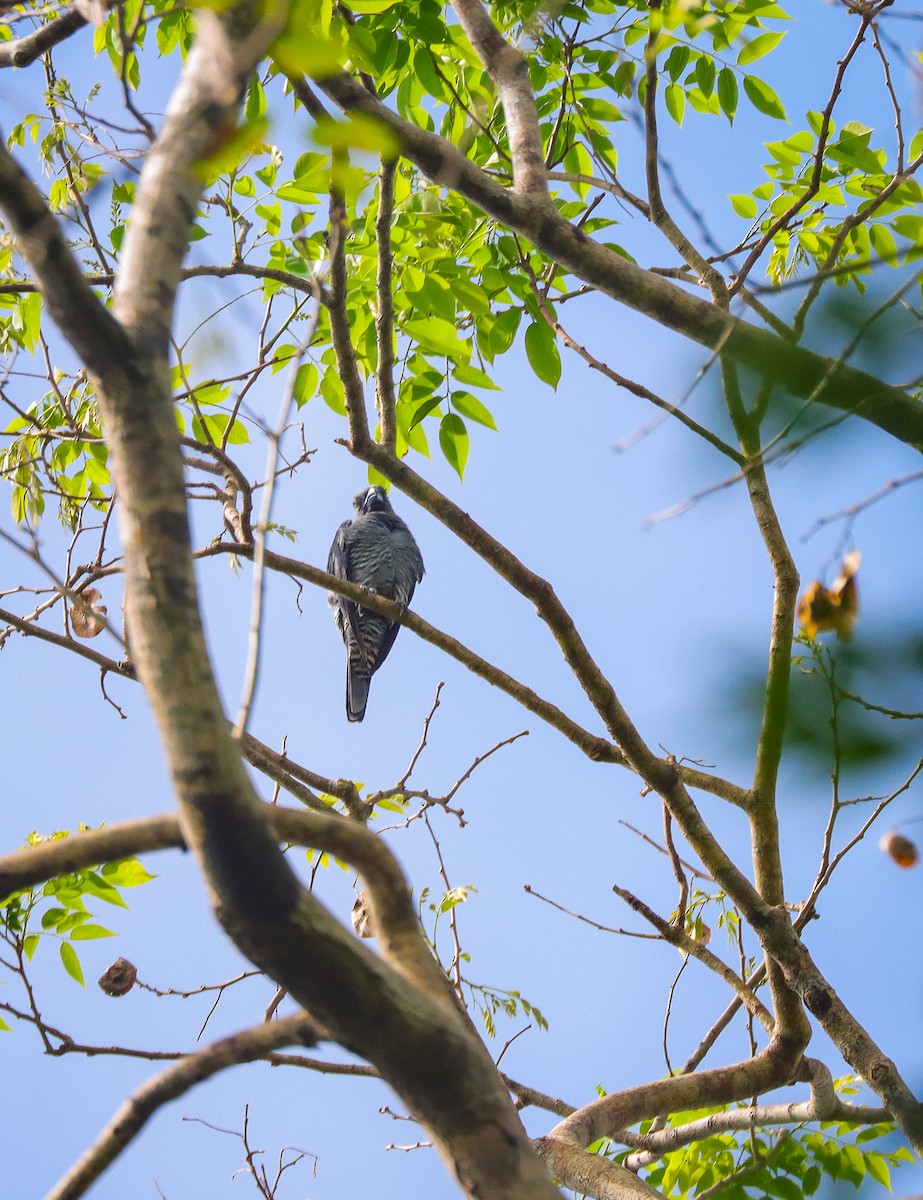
118 979
901 849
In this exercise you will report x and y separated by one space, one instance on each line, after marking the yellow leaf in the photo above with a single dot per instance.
821 608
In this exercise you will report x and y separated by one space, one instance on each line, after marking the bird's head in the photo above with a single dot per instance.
373 499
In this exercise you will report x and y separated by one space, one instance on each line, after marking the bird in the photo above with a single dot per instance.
377 550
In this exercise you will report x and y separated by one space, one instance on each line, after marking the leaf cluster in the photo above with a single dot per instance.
58 911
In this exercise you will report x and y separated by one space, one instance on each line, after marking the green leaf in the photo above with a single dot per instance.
785 1189
305 383
423 409
475 377
86 933
52 917
30 945
306 45
763 98
331 388
95 885
676 61
127 872
675 99
542 353
453 438
357 132
744 206
234 146
71 962
395 804
28 320
469 406
878 1169
705 74
758 47
438 336
727 92
501 332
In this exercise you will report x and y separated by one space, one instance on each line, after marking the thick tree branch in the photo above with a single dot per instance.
395 919
202 107
591 1175
801 371
25 50
606 1116
97 337
509 70
449 1082
823 1105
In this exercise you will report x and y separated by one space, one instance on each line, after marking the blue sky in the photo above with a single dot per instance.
677 613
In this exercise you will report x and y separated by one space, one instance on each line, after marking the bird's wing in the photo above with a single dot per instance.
344 611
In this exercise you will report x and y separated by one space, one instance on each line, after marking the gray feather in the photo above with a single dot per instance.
376 550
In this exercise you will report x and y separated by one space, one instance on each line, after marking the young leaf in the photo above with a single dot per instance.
126 872
758 47
71 962
85 933
878 1169
744 206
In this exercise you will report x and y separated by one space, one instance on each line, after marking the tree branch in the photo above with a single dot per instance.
509 70
384 318
657 210
801 371
764 819
175 1081
450 1081
683 942
25 50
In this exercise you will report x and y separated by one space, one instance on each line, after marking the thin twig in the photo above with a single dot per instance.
261 532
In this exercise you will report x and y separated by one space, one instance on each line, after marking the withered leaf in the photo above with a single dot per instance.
88 617
821 608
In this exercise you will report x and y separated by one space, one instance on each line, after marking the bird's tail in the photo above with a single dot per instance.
357 692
